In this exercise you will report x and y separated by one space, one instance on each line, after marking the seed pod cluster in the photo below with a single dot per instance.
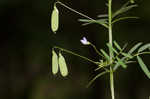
59 63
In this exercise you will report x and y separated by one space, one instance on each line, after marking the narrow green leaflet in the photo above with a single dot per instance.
102 65
117 65
102 22
55 19
111 48
123 10
54 62
117 45
135 47
123 18
127 55
143 67
102 15
62 66
132 1
124 46
144 47
97 76
121 63
105 54
129 62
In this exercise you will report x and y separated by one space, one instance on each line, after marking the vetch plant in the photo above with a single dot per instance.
110 61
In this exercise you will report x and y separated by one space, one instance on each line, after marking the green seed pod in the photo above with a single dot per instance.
62 66
54 62
55 19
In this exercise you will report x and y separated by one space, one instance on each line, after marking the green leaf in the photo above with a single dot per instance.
97 76
132 1
123 9
127 55
55 19
117 45
102 22
129 62
134 47
121 63
54 62
124 46
124 18
125 5
63 66
99 21
102 15
105 54
102 65
143 67
117 65
146 46
111 48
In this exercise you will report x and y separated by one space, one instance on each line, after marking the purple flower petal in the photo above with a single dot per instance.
84 41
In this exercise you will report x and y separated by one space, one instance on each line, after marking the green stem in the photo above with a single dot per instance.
81 14
74 10
112 83
110 26
110 51
70 52
96 49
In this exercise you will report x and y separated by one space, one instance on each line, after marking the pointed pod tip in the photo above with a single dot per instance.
65 75
54 32
54 73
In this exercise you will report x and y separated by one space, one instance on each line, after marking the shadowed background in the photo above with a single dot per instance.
26 51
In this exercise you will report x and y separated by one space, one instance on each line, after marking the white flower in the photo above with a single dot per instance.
84 41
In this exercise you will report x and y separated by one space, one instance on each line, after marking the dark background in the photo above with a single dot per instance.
25 71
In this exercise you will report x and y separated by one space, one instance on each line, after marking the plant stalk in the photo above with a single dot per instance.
75 54
112 83
110 51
